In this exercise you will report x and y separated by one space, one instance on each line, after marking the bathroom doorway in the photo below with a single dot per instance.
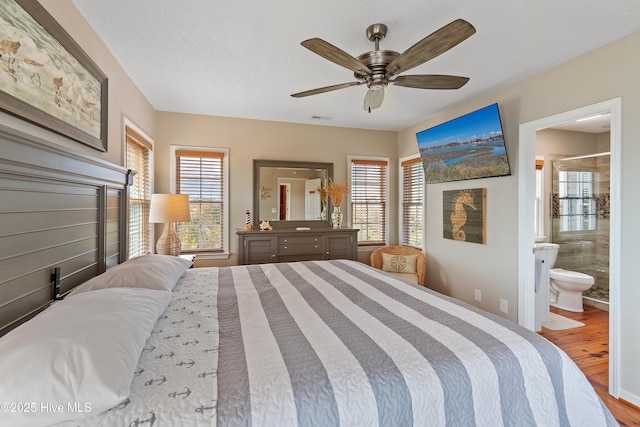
526 221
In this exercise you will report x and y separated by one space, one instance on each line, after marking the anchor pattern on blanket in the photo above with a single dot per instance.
178 364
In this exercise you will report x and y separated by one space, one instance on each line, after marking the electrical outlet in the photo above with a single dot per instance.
477 295
504 306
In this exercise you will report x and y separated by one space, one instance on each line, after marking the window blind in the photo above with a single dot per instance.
200 174
369 200
412 196
577 210
138 151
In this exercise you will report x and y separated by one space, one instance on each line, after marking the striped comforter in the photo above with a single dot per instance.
333 343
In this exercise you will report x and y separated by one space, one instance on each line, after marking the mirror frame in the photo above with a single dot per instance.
257 164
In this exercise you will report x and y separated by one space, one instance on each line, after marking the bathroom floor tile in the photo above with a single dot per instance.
597 293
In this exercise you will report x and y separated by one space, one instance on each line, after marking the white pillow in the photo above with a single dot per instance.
399 263
77 357
159 272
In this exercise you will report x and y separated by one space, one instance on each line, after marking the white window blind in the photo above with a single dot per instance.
138 151
200 174
576 200
412 196
369 200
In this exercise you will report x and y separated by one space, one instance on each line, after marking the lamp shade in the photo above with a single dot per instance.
169 208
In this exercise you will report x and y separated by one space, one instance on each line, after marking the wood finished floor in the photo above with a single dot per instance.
588 346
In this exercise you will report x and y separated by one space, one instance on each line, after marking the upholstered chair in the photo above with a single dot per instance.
405 262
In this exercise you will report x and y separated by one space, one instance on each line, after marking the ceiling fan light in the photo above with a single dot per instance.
376 68
374 97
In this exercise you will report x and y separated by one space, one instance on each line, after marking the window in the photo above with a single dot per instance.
577 203
202 174
412 190
369 200
139 157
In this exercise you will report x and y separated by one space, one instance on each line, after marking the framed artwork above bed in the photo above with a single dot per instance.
47 79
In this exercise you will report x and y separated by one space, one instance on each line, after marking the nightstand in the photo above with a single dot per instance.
188 257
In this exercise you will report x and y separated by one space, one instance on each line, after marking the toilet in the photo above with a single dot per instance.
565 286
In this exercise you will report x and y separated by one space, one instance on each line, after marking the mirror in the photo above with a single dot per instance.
285 193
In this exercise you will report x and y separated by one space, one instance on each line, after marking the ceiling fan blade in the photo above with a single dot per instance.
336 55
431 46
325 89
431 81
373 99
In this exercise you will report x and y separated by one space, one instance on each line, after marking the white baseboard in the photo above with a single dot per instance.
631 398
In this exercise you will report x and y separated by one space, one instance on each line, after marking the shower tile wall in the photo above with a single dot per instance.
585 251
603 223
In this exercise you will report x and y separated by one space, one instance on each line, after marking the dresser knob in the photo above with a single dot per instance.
285 247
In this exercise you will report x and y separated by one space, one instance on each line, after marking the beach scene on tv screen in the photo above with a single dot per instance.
468 147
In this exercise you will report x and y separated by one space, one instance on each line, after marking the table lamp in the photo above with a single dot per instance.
168 209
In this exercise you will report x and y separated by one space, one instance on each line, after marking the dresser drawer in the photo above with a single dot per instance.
297 245
309 239
287 246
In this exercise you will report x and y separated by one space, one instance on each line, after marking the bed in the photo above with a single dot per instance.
318 343
152 342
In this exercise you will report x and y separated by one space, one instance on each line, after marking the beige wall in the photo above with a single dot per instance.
457 268
556 143
256 139
603 142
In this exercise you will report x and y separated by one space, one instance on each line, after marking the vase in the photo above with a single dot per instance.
336 217
323 214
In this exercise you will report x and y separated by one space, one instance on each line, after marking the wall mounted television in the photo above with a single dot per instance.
468 147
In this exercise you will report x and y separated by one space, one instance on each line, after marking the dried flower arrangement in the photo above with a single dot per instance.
323 195
336 192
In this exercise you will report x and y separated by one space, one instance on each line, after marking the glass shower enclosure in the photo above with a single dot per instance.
580 215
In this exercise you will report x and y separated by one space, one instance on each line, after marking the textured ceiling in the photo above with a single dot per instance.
244 58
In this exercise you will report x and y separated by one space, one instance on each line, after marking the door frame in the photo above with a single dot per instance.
526 238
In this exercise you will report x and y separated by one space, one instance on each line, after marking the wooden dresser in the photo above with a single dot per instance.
289 244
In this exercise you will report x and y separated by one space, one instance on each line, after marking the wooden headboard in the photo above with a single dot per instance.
58 208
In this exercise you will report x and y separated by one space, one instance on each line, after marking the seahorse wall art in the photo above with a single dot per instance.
464 215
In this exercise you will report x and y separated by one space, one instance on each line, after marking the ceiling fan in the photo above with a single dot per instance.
378 68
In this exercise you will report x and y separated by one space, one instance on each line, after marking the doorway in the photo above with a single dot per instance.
284 201
526 221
